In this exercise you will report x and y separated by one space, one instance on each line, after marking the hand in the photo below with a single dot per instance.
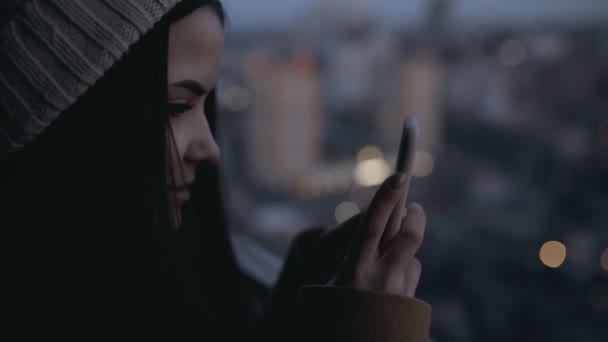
394 268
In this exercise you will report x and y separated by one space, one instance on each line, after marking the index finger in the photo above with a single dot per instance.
367 239
405 162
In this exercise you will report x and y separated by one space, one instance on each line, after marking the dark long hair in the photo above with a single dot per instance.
86 223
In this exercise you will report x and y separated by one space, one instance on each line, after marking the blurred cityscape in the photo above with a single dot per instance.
512 161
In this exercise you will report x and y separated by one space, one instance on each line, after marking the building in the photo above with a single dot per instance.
284 125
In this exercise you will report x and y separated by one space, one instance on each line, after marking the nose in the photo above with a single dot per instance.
213 153
202 148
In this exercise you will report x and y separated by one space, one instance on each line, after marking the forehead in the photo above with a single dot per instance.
196 43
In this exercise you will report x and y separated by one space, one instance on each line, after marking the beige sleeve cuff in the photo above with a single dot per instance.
328 313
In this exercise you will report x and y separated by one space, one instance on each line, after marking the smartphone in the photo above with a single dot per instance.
405 162
407 146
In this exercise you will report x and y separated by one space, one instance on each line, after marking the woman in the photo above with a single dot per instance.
111 200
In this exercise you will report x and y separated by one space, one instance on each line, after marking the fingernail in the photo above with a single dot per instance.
398 181
415 205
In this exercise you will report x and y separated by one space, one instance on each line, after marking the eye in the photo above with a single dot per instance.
175 109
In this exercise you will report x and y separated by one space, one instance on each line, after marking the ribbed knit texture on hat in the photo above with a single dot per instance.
52 51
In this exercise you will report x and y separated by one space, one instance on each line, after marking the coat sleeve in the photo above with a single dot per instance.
299 299
327 313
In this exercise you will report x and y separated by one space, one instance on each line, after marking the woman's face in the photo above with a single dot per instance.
196 43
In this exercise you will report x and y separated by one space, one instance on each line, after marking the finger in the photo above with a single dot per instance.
405 162
411 278
365 244
394 223
405 245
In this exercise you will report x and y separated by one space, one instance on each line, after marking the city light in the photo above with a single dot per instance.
512 52
371 172
605 260
553 254
236 98
370 152
424 164
346 210
602 133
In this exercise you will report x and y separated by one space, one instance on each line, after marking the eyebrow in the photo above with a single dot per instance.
191 85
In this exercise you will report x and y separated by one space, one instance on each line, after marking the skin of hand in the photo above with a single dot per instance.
393 268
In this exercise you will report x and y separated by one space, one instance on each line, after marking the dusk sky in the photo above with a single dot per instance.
245 13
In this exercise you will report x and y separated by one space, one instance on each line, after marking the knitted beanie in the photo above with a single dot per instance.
52 51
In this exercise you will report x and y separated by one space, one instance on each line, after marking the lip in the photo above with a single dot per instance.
183 193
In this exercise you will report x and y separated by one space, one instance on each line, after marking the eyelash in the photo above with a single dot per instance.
175 109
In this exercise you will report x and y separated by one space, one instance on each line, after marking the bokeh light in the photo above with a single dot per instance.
370 152
236 98
424 164
605 260
512 52
346 210
553 254
371 172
